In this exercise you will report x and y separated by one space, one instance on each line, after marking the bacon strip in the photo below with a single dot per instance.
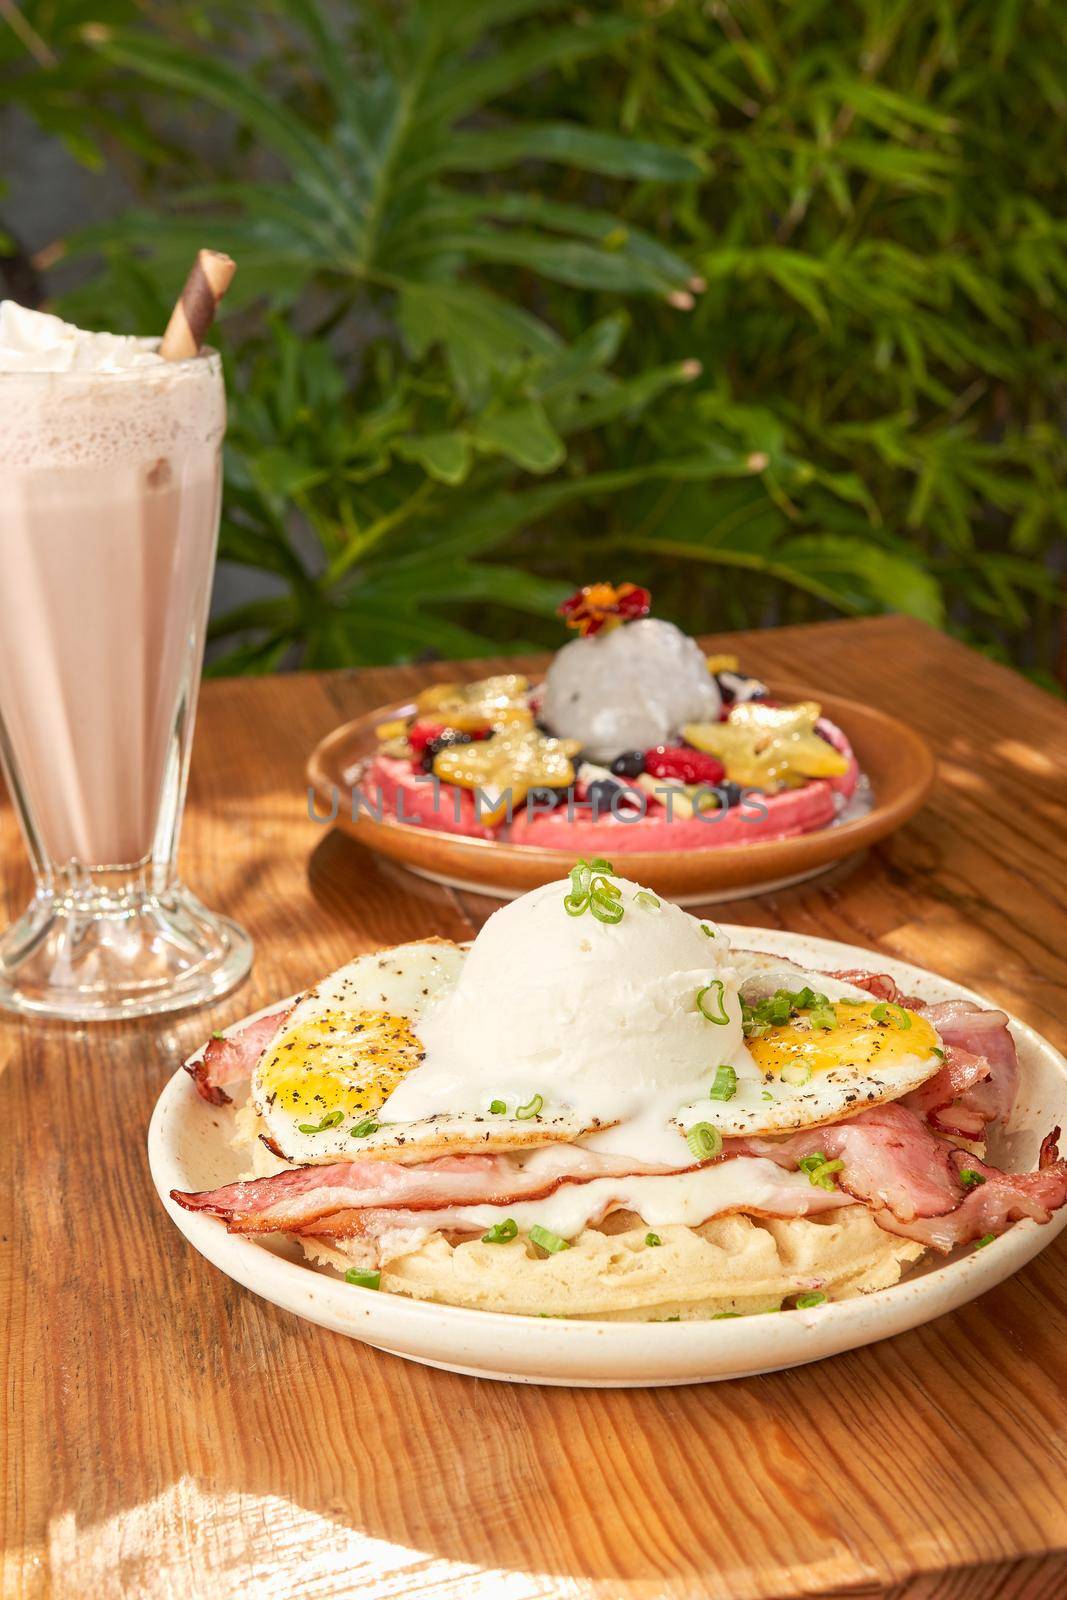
787 1201
977 1084
227 1060
310 1199
910 1179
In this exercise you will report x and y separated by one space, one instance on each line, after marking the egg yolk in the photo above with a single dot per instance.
857 1042
340 1061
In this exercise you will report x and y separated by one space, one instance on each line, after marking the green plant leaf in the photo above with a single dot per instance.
523 434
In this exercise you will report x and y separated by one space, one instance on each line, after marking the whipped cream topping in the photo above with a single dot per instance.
34 341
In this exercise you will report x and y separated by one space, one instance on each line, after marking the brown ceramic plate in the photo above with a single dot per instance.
898 766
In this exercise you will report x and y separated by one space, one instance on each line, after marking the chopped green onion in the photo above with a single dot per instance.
217 1035
970 1179
709 933
363 1129
805 1302
704 1141
796 1072
777 1009
644 898
725 1085
766 1095
652 1239
548 1241
591 890
501 1232
720 1315
330 1120
530 1109
983 1242
605 909
715 1011
940 1054
891 1013
497 1107
813 1162
822 1014
820 1171
363 1280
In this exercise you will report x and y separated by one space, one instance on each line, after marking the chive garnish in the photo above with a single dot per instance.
886 1012
704 1141
363 1280
548 1241
981 1244
820 1171
970 1178
725 1085
363 1130
497 1107
715 1009
591 890
806 1301
530 1109
779 1008
330 1120
644 898
501 1232
652 1239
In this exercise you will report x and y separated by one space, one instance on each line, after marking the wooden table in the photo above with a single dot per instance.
169 1435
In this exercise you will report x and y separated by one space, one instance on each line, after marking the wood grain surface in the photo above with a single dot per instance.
169 1436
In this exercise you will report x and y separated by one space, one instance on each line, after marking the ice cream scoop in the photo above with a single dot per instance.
624 1020
629 688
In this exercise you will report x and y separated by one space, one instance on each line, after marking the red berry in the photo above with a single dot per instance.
420 734
684 764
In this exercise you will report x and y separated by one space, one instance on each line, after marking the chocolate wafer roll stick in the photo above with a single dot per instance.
196 306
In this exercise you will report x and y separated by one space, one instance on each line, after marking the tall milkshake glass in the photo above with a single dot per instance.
109 506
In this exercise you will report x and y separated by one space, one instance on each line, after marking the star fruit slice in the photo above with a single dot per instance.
491 702
769 747
507 766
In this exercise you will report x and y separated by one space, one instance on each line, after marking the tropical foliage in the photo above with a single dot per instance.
755 302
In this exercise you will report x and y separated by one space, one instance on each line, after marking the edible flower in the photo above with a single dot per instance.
602 605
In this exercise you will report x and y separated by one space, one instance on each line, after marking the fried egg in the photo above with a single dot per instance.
345 1046
320 1085
820 1062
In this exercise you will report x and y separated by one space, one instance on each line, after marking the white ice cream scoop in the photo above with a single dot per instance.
628 689
601 1018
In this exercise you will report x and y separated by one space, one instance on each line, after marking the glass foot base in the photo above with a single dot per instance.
102 956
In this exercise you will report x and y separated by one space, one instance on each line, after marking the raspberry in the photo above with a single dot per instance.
420 734
683 763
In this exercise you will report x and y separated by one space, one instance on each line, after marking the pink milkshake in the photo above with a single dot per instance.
110 480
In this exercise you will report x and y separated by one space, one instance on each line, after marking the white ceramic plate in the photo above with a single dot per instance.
188 1148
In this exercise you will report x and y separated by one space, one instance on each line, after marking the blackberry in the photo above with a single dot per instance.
450 736
730 794
542 796
600 795
630 764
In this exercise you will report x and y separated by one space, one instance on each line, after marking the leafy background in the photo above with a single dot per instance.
760 302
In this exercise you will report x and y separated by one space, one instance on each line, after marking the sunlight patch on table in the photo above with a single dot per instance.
231 1545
